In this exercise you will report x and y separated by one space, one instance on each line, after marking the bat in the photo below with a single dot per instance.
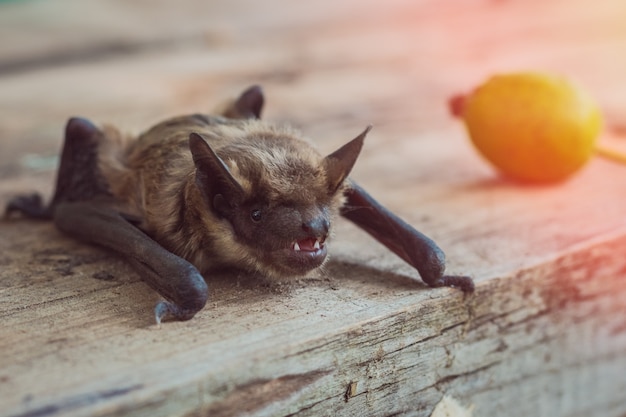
200 192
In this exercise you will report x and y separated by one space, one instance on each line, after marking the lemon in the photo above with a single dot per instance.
532 127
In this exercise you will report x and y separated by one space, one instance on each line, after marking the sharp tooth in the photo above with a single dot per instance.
317 245
296 247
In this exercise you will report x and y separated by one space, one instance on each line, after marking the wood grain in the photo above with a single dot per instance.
545 333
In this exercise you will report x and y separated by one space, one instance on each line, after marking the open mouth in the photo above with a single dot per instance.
308 245
301 256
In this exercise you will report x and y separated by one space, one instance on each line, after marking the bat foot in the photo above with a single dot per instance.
165 310
30 205
465 284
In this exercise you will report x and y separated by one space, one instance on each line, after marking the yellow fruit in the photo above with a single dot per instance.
531 126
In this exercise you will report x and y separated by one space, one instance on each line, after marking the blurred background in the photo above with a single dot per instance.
550 282
327 65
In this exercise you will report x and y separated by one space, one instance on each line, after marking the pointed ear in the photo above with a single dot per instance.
250 102
219 188
79 129
339 163
247 106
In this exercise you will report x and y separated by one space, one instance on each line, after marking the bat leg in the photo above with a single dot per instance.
178 281
78 177
82 207
414 247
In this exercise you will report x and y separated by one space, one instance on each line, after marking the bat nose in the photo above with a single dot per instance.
317 227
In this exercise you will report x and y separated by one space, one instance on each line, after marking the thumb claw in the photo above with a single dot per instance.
165 310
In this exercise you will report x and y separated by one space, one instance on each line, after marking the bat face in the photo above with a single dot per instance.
278 198
285 239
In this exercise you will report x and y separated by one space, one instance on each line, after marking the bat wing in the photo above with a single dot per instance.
77 178
82 207
414 247
174 278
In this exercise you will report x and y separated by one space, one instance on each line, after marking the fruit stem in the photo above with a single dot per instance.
456 105
611 154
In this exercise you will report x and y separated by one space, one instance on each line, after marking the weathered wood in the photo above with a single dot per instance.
545 333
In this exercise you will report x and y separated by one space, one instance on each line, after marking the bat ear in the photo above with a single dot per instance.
339 163
80 129
250 102
219 188
247 106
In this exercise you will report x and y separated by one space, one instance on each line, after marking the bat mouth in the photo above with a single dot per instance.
308 245
307 254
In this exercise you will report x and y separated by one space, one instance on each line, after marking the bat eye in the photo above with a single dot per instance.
255 215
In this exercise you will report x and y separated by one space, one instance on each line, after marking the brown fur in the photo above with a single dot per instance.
155 175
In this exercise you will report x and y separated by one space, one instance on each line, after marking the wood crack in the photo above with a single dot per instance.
452 377
61 407
258 394
102 51
81 295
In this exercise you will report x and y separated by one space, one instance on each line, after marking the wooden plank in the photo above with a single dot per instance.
544 334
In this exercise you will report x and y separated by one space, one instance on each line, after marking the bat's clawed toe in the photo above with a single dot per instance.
29 205
464 283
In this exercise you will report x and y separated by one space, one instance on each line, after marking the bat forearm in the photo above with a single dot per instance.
402 239
414 247
171 276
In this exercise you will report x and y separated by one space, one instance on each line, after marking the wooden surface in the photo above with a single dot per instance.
545 333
